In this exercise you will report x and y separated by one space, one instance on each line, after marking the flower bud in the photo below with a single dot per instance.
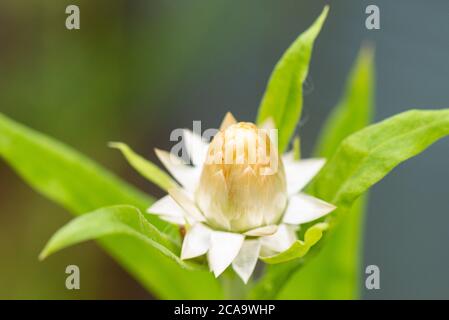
242 185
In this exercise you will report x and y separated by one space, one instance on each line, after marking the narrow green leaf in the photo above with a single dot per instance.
146 168
297 148
355 109
365 157
334 271
116 220
62 174
299 248
283 99
80 185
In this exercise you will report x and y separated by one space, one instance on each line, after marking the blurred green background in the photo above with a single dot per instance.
138 69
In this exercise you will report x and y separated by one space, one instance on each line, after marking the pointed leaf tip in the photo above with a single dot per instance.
145 167
283 99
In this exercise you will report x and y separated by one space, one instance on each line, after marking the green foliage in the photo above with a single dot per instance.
362 160
297 148
282 100
335 271
147 169
367 156
62 174
371 153
110 221
149 248
354 111
80 185
299 248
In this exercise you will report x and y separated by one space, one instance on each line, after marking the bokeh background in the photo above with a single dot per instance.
138 69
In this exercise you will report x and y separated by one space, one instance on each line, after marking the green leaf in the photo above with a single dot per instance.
283 99
145 167
297 148
62 174
365 157
333 271
355 109
362 160
116 220
80 185
299 248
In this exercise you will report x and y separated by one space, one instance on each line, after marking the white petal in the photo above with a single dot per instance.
196 241
224 247
185 201
300 173
303 208
196 147
186 175
262 231
281 240
167 209
288 156
246 260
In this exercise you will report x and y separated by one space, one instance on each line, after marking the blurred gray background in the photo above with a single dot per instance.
138 69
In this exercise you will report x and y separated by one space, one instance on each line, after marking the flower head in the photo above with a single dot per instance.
241 200
242 184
